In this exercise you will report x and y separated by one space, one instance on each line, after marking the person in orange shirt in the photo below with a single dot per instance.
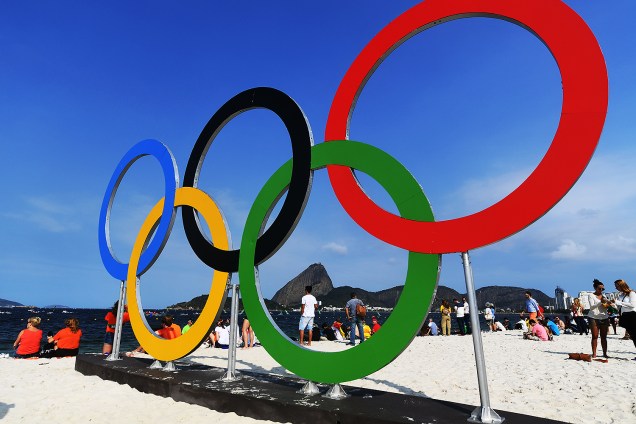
67 340
169 329
27 344
111 321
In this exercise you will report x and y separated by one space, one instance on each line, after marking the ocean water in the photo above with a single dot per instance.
13 320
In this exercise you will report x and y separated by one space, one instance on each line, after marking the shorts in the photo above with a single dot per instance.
109 338
306 323
532 315
600 323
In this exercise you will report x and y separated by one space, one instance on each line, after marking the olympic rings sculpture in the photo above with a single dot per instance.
585 96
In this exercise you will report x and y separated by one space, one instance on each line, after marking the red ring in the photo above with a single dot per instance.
584 76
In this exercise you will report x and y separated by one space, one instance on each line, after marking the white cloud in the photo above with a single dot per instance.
569 249
50 216
336 248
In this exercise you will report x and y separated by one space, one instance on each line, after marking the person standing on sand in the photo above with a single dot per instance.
111 321
308 308
599 320
459 316
247 333
445 309
186 327
627 303
467 316
531 307
352 316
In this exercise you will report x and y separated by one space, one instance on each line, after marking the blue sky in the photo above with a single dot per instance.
469 107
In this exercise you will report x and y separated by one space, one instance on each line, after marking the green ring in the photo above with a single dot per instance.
421 280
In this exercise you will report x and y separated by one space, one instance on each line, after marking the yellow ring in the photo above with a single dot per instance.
157 347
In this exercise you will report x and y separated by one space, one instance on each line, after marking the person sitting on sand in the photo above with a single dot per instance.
169 330
186 327
506 323
375 325
328 332
111 321
338 330
554 329
222 335
537 332
67 340
431 328
559 322
497 326
522 325
27 345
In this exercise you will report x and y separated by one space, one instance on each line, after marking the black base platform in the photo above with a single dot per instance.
272 397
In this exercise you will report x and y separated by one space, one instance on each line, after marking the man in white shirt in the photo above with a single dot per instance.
459 316
307 314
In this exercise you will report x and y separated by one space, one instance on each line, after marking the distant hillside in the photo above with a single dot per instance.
198 302
4 303
503 297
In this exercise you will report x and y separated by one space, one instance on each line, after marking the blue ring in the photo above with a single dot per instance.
171 179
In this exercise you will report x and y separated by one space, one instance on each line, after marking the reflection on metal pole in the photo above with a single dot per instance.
230 375
483 414
114 355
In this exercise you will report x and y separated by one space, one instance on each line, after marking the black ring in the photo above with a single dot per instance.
301 139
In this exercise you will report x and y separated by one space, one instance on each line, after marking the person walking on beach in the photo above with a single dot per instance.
27 344
352 309
111 321
577 313
459 316
599 320
445 309
531 307
627 303
308 308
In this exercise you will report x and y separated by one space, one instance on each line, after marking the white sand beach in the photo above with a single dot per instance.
527 377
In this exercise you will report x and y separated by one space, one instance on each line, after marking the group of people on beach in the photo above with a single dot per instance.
64 343
355 329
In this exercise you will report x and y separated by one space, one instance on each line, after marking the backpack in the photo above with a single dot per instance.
540 312
361 310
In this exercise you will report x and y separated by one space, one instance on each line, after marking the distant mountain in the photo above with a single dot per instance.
4 303
315 275
503 297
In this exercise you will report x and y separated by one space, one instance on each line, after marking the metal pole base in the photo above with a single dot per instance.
112 357
485 415
336 393
169 366
230 376
156 365
310 388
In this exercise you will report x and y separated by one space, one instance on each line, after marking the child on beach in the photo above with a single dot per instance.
537 332
111 321
27 344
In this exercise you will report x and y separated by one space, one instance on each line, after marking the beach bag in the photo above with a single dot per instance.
361 310
540 309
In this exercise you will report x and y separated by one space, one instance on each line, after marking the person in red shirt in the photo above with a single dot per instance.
28 342
67 340
375 326
169 330
111 321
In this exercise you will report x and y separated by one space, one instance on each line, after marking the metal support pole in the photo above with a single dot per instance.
483 414
114 354
231 374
